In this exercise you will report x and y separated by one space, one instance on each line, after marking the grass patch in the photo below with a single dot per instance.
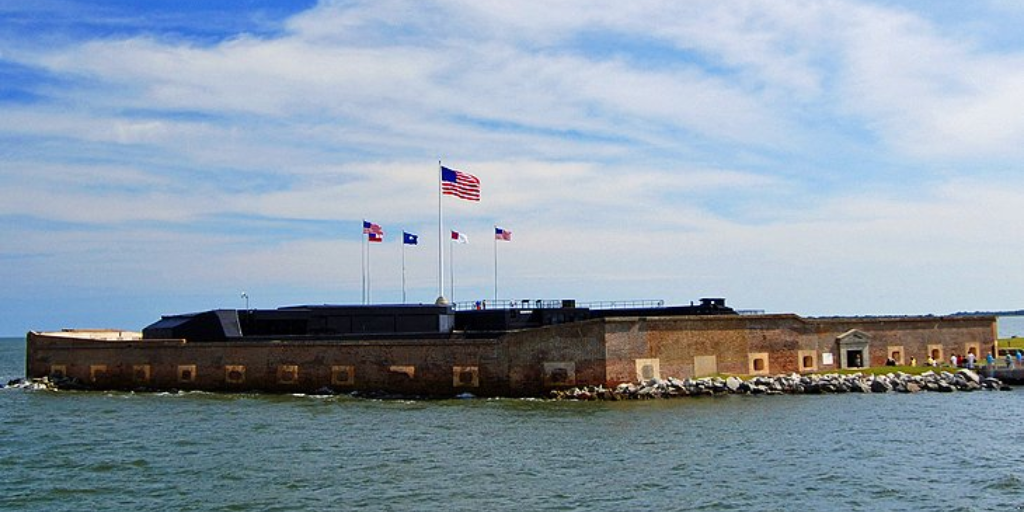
874 370
1011 343
910 370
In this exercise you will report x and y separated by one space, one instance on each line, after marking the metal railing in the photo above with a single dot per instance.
555 304
623 304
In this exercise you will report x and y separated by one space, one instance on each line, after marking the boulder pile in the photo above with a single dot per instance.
45 384
795 384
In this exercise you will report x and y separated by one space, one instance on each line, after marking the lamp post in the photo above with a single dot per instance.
246 297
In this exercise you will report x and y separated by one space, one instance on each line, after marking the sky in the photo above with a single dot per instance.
830 157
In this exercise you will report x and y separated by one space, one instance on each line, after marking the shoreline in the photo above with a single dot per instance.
963 380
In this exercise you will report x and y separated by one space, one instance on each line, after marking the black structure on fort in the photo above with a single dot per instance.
318 322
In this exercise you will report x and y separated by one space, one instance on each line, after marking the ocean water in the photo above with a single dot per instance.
197 451
1010 326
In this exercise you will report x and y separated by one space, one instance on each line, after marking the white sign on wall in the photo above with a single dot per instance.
826 358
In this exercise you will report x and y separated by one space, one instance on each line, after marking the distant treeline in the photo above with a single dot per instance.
1019 312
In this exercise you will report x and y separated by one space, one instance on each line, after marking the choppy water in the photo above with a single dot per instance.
104 451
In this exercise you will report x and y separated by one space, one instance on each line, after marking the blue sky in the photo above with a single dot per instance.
823 158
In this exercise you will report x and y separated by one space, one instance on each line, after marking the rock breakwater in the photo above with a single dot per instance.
45 384
795 384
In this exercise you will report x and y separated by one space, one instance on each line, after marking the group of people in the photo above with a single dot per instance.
962 361
1012 359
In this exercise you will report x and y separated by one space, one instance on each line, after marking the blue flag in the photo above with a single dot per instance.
410 239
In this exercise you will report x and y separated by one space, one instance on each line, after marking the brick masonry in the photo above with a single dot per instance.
521 363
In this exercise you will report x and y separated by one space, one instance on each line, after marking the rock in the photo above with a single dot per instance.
913 387
733 383
646 392
970 376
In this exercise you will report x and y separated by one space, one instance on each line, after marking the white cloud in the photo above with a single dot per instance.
764 150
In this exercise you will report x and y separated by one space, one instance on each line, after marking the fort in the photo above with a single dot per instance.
525 349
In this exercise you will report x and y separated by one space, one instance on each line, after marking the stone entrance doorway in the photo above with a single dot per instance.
853 349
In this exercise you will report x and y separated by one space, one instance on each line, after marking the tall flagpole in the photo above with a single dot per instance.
451 263
440 239
369 285
495 237
363 256
403 267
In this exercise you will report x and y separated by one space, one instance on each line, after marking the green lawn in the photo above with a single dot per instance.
1011 343
878 370
883 370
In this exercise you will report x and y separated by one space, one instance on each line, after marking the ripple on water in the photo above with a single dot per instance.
198 451
1007 482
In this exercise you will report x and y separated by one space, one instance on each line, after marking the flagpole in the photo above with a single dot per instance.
363 256
403 267
495 264
440 239
451 268
369 285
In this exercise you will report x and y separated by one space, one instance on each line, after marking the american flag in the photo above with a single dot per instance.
460 184
369 227
502 234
